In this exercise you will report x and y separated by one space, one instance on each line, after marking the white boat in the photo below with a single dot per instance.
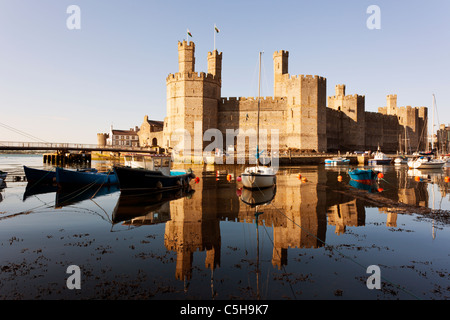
337 161
155 162
380 158
426 163
258 177
400 160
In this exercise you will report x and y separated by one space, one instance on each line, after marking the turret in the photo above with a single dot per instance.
186 57
215 64
280 66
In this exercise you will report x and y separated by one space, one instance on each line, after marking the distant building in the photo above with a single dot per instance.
151 133
124 137
442 142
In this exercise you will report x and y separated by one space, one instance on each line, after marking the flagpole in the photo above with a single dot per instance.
214 30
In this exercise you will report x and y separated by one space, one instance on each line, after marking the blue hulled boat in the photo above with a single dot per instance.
39 175
132 179
362 175
66 177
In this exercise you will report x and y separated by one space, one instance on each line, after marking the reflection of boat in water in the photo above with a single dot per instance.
367 186
255 198
33 189
146 208
68 196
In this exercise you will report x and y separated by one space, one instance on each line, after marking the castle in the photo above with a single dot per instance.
298 110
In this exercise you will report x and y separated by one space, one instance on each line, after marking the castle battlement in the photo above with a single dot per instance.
211 53
191 76
281 53
237 99
185 44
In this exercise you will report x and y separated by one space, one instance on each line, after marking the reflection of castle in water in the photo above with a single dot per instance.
299 214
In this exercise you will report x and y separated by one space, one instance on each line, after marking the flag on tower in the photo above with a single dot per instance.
217 29
189 33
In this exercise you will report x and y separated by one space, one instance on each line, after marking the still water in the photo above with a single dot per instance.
310 240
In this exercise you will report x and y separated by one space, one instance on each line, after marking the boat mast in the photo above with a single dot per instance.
432 126
259 99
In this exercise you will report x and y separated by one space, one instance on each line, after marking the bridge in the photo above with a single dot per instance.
51 146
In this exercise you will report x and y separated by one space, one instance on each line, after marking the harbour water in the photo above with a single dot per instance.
314 238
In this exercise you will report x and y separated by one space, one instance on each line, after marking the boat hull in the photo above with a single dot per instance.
131 179
39 176
426 165
79 178
363 176
255 181
376 162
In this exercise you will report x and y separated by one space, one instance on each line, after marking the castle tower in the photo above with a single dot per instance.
280 66
215 64
391 104
192 101
186 58
340 90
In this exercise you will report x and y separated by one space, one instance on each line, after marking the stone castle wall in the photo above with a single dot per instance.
298 110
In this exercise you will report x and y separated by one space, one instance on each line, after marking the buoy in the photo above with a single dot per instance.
197 179
304 180
339 178
380 175
380 189
239 192
299 176
229 177
239 179
446 179
417 178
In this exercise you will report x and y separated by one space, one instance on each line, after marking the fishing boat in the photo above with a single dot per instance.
162 162
379 158
41 176
362 175
84 177
132 179
426 163
258 177
337 161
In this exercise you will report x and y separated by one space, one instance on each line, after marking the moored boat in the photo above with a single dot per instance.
380 158
426 163
132 179
66 177
3 174
337 161
258 177
362 175
41 176
400 160
161 162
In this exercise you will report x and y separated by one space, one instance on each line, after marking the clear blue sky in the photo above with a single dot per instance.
64 85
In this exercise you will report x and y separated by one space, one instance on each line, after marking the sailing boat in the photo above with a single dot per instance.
258 177
426 161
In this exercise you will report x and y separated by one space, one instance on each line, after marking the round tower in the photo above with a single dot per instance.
101 139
